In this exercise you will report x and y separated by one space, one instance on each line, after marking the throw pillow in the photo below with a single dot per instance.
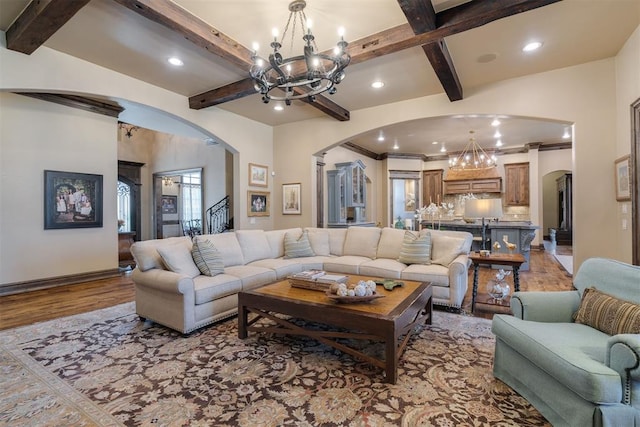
444 249
178 259
607 313
296 248
207 258
415 249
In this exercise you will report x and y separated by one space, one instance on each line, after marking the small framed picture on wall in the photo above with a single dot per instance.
291 199
623 182
258 203
72 200
258 175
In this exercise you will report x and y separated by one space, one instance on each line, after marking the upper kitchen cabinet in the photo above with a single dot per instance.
516 184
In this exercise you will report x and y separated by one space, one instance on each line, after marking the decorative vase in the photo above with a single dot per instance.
498 290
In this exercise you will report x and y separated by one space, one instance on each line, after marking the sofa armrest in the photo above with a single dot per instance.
545 306
163 280
623 356
458 279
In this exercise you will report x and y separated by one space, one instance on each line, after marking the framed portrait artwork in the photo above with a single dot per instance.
258 175
258 203
291 199
169 204
72 200
623 181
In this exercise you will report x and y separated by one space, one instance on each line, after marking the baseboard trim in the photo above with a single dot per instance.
52 282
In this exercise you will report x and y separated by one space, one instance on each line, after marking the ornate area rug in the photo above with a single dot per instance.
108 368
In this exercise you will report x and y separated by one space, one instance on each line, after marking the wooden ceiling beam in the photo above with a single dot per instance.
422 17
106 108
39 21
192 28
325 105
449 22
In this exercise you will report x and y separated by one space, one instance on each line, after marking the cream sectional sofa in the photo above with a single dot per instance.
171 290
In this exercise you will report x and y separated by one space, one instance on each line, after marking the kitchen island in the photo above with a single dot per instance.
520 233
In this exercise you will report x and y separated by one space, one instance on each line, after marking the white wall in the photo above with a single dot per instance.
627 92
252 141
34 136
583 95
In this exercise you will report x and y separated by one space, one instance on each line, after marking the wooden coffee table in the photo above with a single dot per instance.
390 320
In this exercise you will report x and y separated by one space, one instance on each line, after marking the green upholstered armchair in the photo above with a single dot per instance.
576 374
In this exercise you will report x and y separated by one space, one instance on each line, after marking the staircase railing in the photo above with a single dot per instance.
218 217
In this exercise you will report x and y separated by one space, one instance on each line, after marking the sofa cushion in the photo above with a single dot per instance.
346 264
337 237
207 258
416 249
252 276
276 240
362 241
390 243
445 249
572 353
228 245
434 273
177 258
607 313
211 288
282 267
319 239
254 245
145 253
297 246
384 268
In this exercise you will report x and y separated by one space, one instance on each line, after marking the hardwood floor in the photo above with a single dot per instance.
545 274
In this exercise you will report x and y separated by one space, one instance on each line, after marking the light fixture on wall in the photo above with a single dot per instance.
128 129
301 76
167 181
472 157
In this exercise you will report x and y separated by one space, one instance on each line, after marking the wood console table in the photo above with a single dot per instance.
514 260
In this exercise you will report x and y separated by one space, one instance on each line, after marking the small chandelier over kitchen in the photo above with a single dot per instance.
472 157
302 76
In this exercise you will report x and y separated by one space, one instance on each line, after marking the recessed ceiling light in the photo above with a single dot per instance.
377 84
495 122
381 137
497 134
566 134
530 47
434 143
395 145
443 150
175 61
278 107
499 143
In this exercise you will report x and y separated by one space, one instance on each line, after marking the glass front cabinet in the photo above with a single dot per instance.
347 190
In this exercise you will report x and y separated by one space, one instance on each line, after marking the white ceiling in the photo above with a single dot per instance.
573 32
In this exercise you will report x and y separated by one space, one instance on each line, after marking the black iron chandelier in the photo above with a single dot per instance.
302 76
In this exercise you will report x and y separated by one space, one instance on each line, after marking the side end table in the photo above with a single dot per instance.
514 260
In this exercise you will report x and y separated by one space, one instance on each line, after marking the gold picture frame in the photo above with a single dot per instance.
622 177
258 203
258 175
291 199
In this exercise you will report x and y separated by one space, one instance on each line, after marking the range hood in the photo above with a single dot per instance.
462 181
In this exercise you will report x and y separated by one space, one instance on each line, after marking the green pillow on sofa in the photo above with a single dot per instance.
207 258
296 248
415 249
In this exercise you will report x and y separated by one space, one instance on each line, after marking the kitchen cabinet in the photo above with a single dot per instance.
432 186
347 194
516 184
